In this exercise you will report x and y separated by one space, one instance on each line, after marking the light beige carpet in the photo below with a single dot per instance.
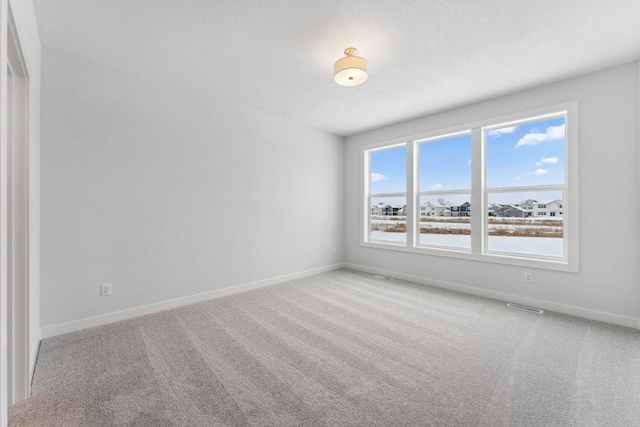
340 348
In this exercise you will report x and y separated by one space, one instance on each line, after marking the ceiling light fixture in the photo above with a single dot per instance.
350 70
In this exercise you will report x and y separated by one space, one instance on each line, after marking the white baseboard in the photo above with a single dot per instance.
90 322
601 316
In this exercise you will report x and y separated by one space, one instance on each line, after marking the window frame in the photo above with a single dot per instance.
563 188
368 195
419 192
479 194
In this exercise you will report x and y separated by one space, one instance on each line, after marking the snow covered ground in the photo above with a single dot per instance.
545 246
456 241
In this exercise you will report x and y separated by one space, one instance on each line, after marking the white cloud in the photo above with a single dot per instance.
553 133
553 160
517 177
469 161
377 177
436 186
532 139
556 132
540 172
498 132
538 164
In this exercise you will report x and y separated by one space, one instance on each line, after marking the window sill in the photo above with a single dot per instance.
496 258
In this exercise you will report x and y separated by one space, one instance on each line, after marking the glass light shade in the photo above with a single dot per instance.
350 71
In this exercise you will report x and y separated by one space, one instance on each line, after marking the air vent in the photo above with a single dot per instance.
525 308
377 276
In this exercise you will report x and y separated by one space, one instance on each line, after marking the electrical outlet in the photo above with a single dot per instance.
528 277
105 290
333 251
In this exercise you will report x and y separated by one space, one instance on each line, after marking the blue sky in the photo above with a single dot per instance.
526 155
446 164
389 171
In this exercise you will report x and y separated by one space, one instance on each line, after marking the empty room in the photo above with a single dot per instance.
297 213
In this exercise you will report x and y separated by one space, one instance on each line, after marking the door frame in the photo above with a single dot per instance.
14 217
18 218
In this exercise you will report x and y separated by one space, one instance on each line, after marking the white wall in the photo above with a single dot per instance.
606 287
167 194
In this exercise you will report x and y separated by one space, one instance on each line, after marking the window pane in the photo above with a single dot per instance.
529 223
531 154
388 219
445 164
389 171
445 220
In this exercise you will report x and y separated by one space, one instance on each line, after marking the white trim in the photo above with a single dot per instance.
586 313
463 253
410 201
365 190
387 195
4 402
443 192
477 196
90 322
33 358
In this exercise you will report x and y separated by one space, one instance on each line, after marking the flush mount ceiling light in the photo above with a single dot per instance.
350 70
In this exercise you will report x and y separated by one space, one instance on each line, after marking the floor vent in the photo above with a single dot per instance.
525 308
377 276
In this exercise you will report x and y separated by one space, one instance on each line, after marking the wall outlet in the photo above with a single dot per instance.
105 290
528 277
333 251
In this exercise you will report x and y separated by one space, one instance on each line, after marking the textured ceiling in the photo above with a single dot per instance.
277 55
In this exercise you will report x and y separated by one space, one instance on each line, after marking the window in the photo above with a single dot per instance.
387 196
525 164
444 187
518 173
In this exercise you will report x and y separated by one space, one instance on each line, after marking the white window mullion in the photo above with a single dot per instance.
366 190
412 169
478 201
559 187
367 216
444 192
